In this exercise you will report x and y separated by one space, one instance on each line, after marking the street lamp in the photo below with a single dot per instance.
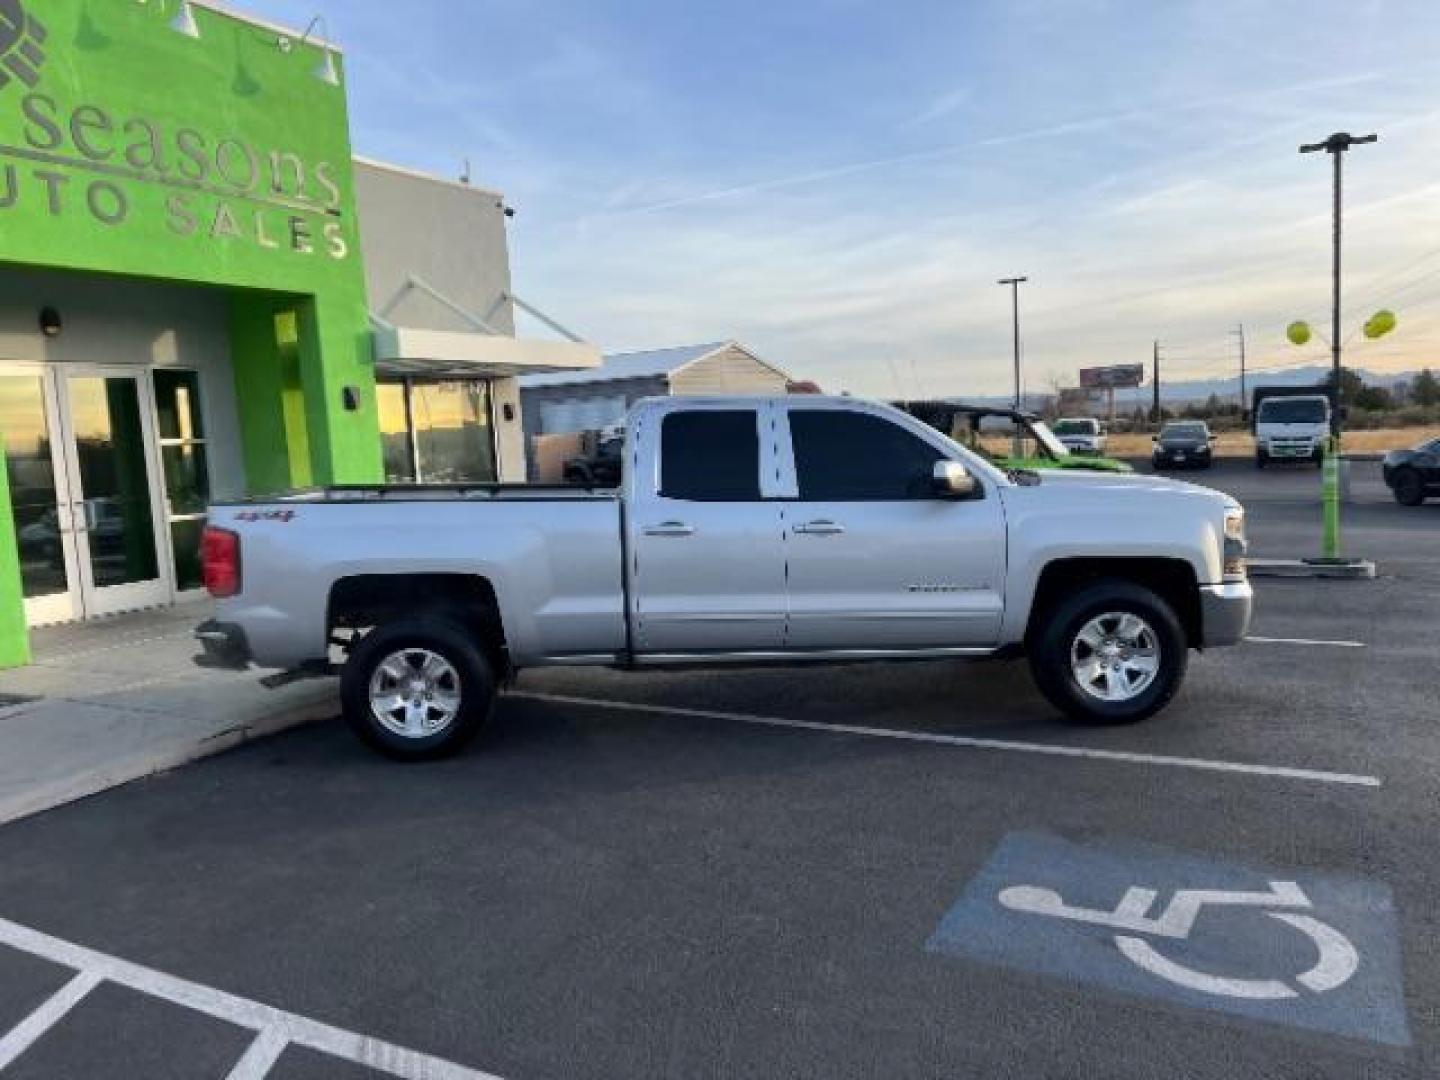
1335 146
1015 283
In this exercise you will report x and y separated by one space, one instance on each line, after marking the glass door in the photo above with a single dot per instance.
115 508
34 467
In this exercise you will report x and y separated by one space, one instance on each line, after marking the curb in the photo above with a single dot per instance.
140 766
1348 570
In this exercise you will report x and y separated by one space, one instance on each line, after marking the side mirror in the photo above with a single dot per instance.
951 480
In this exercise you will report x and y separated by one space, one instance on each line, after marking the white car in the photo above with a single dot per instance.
1081 434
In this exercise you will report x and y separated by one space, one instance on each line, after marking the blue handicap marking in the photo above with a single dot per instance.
1311 951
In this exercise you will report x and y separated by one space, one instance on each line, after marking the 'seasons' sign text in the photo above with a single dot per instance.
82 158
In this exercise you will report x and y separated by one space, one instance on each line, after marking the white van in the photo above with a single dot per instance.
1291 429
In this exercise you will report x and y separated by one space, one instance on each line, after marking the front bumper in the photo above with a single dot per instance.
223 646
1187 456
1225 612
1300 450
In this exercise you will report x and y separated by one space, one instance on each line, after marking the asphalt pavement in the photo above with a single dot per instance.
873 871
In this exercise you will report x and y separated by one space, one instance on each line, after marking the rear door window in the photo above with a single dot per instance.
710 455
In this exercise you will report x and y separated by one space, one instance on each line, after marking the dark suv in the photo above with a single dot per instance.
1414 474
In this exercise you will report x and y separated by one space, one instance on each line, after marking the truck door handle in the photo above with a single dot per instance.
820 528
670 528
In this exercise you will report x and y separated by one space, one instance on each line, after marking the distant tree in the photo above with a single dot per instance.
1425 390
1374 399
1351 383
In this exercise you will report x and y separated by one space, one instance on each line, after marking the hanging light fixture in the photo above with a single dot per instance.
184 21
327 71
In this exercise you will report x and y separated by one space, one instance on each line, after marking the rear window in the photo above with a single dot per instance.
710 456
1281 411
1077 427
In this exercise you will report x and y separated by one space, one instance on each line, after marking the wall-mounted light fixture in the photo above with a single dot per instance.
328 71
50 324
184 21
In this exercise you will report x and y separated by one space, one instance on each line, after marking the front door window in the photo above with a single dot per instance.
113 506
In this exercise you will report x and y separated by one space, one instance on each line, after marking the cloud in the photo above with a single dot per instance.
945 105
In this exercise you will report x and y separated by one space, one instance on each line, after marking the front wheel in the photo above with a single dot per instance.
417 689
1409 488
1111 653
1261 459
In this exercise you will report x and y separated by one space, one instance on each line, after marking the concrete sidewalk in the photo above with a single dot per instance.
112 701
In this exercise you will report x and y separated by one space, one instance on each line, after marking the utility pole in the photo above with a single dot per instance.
1239 332
1336 146
1155 381
1015 283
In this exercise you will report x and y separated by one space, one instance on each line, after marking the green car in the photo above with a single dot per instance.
1037 446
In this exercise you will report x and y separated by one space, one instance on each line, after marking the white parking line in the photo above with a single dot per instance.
55 1009
1305 641
275 1028
1051 749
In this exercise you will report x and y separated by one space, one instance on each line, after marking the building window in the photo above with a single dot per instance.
187 471
437 431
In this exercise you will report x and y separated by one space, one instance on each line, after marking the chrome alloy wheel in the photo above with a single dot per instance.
415 693
1115 656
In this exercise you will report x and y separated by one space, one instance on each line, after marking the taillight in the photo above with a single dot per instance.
220 561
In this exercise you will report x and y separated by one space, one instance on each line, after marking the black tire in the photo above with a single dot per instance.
1261 459
471 676
1058 630
1409 487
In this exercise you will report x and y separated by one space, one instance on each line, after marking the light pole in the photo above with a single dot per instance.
1335 146
1015 283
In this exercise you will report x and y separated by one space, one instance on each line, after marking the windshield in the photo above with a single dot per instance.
1293 411
1183 431
1076 427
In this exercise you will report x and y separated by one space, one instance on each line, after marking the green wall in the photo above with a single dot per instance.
128 147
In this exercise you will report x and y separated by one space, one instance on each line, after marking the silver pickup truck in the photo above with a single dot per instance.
745 531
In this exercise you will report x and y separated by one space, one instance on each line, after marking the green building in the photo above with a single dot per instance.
189 308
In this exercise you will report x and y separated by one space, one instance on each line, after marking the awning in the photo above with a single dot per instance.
483 353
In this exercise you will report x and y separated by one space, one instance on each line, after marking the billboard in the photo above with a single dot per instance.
1117 377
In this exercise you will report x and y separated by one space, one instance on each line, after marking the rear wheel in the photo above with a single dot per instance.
417 689
1111 653
1409 488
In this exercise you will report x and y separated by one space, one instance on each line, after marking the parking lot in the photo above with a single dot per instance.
887 870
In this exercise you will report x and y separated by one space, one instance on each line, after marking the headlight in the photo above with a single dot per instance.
1235 546
1235 524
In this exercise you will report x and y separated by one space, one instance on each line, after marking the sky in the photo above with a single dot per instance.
838 184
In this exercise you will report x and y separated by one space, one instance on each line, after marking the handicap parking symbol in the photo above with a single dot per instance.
1311 951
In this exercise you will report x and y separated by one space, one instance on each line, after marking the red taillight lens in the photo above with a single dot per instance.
220 562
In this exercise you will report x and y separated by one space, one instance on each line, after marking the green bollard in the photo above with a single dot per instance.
1330 497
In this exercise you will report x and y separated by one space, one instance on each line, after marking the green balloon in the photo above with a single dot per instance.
1298 333
1380 324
